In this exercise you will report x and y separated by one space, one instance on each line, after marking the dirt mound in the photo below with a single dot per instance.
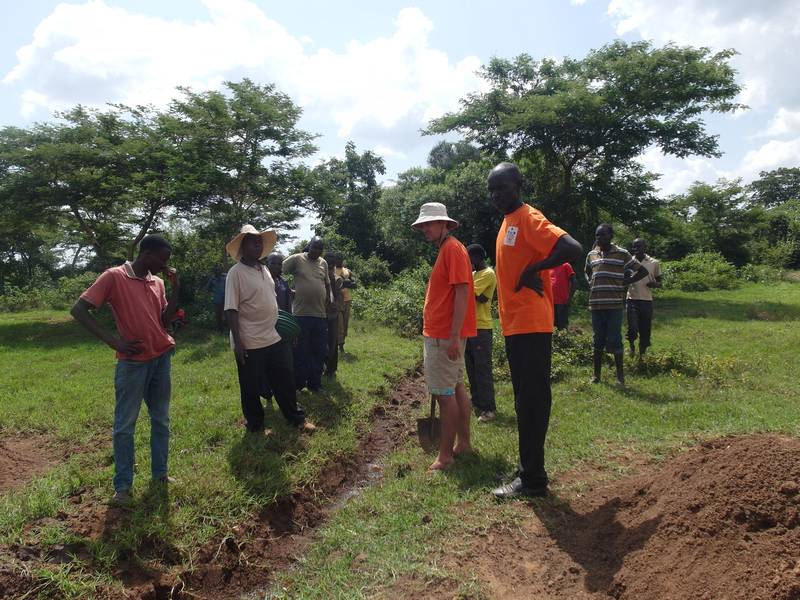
719 521
23 458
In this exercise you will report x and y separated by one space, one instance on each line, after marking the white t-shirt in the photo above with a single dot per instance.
639 290
251 292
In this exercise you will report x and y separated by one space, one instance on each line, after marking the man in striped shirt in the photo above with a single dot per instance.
609 270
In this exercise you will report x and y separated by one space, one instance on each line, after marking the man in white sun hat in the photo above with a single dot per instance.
448 320
252 311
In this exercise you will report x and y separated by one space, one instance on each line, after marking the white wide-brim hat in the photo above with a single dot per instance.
268 239
434 211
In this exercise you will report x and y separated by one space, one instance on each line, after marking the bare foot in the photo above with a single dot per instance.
307 427
440 465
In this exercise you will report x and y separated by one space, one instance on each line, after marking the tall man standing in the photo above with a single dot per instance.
448 320
640 299
144 350
252 310
527 244
312 290
478 354
609 269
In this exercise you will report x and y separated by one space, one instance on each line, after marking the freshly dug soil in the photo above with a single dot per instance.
719 521
23 458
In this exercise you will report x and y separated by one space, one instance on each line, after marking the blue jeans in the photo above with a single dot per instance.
310 352
134 381
607 326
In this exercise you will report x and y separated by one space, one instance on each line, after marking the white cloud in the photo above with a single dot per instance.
764 33
678 174
94 53
772 155
785 122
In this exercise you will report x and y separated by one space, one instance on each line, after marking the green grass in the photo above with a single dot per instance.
722 362
744 343
58 381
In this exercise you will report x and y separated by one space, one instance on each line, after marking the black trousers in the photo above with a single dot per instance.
271 365
561 316
529 356
332 359
640 321
478 361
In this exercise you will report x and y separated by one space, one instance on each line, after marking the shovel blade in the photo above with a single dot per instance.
428 432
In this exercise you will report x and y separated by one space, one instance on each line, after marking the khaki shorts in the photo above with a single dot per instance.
442 374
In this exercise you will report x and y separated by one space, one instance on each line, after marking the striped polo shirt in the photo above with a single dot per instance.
606 288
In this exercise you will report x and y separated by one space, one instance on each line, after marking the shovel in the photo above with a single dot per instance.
429 429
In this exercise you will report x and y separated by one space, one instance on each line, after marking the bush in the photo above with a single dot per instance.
699 272
398 304
760 274
46 294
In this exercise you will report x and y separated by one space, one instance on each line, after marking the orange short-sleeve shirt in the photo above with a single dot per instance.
451 268
525 237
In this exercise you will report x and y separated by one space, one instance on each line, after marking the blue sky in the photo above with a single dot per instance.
376 72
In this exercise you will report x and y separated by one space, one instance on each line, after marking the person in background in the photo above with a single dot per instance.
526 245
261 354
312 291
478 352
349 282
564 283
144 351
448 320
283 293
609 269
640 299
216 285
334 310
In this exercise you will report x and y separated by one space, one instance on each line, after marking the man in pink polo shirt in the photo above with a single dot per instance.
142 313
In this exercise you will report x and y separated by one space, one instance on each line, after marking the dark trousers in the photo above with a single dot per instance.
478 360
272 365
640 321
561 314
529 357
310 352
332 361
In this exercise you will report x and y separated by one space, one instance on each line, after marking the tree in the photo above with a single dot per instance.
776 187
719 218
579 124
346 193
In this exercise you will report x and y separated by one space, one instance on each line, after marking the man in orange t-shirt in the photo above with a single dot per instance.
527 243
448 320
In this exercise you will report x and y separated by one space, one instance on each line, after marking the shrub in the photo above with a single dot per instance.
700 271
398 304
46 294
760 274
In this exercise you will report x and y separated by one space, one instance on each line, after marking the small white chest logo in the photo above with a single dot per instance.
511 236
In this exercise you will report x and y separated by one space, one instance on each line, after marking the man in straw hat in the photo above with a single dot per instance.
252 312
448 320
527 246
144 350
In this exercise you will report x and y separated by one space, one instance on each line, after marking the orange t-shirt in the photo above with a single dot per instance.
525 237
451 268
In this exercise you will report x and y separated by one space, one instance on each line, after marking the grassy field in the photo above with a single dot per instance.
722 362
743 343
58 381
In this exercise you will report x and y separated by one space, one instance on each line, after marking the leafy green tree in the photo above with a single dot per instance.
776 187
578 125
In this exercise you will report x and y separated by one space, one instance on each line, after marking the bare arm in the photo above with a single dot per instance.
656 283
641 273
172 303
573 285
233 323
459 313
566 249
81 314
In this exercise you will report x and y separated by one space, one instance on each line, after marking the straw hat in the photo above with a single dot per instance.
267 237
434 211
